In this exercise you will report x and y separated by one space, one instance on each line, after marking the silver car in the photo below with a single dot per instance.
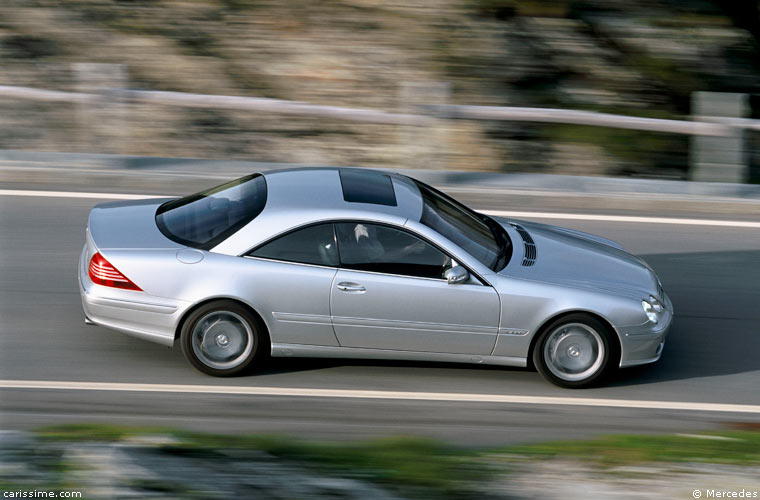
356 263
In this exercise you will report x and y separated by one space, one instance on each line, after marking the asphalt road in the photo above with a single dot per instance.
711 273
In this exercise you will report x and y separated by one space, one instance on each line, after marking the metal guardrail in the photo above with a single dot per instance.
220 102
45 95
707 126
575 117
716 152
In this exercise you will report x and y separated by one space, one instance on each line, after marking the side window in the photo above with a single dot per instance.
383 249
310 245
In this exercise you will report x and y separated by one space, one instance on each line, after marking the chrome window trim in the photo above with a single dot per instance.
390 275
266 259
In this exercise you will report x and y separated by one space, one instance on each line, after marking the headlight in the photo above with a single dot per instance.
655 304
650 311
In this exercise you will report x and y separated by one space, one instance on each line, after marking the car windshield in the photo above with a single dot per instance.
478 234
205 219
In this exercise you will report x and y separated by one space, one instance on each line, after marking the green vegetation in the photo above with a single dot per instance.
503 9
666 153
96 432
725 447
404 462
411 467
428 462
410 462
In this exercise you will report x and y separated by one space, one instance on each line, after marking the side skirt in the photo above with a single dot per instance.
315 351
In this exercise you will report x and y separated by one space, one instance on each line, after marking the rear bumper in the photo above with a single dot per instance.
134 313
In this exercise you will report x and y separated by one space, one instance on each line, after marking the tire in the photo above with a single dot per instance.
223 338
576 351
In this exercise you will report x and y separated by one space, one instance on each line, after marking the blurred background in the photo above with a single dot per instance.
666 59
106 97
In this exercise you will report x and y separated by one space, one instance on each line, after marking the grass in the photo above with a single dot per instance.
418 459
431 468
725 447
96 432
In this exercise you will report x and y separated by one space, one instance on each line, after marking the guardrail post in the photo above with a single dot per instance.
718 159
103 122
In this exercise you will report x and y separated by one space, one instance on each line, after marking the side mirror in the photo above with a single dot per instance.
456 274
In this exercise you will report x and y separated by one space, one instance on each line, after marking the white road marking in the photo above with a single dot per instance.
498 213
708 437
72 194
622 218
364 394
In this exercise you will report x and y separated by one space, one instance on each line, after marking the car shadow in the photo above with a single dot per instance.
276 366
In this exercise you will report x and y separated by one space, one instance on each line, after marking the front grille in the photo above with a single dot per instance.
530 246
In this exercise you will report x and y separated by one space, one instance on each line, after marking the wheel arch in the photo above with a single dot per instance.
540 330
196 306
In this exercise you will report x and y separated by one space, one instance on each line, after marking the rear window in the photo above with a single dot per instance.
205 219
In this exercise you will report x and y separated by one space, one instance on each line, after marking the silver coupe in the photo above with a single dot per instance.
356 263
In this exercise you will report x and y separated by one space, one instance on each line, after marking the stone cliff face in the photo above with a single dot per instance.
642 58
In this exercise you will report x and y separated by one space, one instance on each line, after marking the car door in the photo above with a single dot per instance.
390 293
289 280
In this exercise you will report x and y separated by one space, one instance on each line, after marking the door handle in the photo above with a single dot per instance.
346 286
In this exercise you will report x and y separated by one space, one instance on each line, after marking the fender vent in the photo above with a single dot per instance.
530 246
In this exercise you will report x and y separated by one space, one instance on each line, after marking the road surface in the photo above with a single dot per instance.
711 272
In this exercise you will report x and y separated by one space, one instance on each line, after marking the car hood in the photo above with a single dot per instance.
573 258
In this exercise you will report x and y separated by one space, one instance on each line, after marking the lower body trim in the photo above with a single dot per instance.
315 351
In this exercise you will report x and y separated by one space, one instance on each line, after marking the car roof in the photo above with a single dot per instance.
341 189
296 197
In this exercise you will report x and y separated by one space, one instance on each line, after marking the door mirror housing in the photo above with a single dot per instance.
456 275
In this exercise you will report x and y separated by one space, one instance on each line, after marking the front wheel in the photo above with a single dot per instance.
223 338
575 351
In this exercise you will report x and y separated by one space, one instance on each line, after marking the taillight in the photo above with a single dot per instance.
103 273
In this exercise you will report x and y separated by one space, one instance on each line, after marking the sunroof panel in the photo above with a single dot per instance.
367 187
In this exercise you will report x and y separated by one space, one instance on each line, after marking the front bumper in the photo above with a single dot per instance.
644 344
134 313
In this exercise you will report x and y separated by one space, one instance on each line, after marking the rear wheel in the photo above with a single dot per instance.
223 338
575 351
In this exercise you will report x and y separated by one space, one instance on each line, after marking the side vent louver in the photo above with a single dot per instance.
530 246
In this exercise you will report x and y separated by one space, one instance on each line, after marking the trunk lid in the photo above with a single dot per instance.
128 225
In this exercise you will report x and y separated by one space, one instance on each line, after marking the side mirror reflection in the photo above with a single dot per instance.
456 274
